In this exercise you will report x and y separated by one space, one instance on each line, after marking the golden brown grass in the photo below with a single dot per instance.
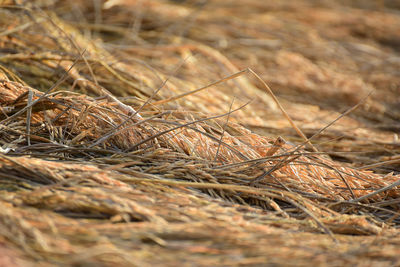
139 133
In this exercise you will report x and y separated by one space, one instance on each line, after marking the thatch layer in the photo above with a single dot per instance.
122 144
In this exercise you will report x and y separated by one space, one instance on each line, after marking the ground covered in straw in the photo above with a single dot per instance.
199 133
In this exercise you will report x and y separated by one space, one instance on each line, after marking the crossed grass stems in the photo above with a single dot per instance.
291 196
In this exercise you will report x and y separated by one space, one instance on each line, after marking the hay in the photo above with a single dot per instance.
122 144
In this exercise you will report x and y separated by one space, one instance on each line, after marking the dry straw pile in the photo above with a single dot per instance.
142 133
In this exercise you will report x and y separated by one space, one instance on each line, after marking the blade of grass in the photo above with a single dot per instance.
297 129
223 131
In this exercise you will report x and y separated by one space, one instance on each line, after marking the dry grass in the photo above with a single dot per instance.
141 133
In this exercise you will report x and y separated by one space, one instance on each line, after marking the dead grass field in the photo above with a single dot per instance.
199 133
